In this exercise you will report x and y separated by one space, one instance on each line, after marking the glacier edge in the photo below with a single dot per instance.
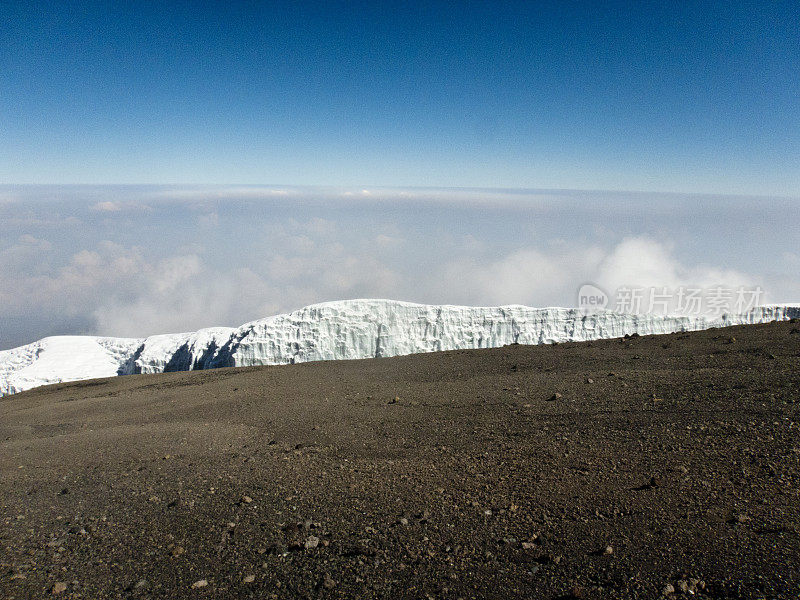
347 329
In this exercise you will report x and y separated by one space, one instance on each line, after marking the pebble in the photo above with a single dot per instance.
59 587
249 579
608 550
668 589
199 584
555 396
312 542
589 380
247 499
328 582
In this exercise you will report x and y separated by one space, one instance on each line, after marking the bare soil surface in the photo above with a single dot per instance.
659 466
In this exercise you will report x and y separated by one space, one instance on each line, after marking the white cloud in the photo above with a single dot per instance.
387 241
644 262
552 276
205 263
107 206
213 192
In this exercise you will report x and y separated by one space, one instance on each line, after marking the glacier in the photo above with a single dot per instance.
347 329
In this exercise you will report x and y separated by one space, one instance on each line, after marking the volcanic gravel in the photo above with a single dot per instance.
647 467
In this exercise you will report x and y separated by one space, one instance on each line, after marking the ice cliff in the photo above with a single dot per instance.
338 330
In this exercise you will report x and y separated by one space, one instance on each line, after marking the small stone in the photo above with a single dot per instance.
509 540
177 551
668 589
683 586
555 396
403 521
589 380
328 582
608 551
142 583
249 579
199 584
59 587
247 499
312 542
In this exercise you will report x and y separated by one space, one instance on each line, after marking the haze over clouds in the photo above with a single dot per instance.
135 261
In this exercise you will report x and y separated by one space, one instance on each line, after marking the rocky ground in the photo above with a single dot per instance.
660 466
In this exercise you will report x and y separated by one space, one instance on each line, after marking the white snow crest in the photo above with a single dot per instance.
346 329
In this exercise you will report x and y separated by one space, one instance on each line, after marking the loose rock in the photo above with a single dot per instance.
328 582
59 587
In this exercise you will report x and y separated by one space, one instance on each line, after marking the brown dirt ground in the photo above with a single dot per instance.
682 456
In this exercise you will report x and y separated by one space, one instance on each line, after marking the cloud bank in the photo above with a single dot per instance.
87 263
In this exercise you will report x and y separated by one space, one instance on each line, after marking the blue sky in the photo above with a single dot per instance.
654 96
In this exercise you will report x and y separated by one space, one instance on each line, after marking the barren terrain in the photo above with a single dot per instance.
632 468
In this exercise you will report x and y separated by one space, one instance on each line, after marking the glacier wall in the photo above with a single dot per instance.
339 330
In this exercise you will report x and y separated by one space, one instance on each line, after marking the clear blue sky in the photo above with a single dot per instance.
655 96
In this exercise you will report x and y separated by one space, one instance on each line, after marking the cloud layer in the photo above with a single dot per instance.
131 264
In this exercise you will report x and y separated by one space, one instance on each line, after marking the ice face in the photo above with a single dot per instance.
346 329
